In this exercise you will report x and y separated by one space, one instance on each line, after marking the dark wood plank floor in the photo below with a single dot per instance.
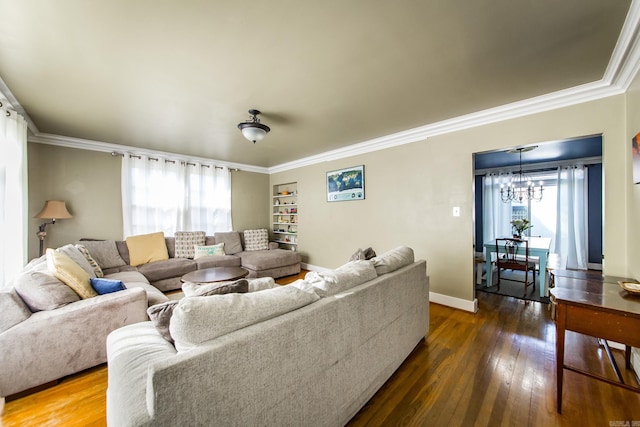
492 368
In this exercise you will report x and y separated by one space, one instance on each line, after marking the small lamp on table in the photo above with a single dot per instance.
53 210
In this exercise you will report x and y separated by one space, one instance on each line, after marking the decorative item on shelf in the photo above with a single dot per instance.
521 187
520 226
277 202
252 129
292 219
53 210
294 210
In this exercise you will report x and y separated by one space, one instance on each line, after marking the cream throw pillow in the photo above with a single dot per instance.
70 273
147 248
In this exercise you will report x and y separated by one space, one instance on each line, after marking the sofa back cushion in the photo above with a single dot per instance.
145 248
41 291
13 310
200 319
104 252
231 240
393 259
351 274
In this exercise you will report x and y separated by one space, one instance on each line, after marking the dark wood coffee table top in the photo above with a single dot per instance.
215 274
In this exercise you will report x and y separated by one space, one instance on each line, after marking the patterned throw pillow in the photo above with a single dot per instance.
92 262
256 240
186 241
210 250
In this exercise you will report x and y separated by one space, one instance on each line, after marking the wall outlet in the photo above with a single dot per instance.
456 211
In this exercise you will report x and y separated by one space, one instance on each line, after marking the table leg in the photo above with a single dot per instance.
560 331
488 266
542 277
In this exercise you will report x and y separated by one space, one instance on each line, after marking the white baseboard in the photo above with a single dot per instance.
312 267
459 303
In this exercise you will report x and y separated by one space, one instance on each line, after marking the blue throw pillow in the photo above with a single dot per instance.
106 286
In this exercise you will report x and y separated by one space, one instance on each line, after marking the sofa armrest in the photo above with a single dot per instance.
55 343
273 245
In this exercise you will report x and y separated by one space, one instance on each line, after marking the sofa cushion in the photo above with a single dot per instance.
351 274
106 286
231 240
200 319
42 291
104 252
145 248
211 250
261 283
218 261
393 259
363 254
256 240
166 269
186 241
219 288
160 315
264 260
70 273
134 279
13 310
78 257
92 262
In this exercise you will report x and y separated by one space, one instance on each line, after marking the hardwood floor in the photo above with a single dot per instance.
492 368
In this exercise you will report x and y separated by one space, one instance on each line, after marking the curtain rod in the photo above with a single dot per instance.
533 167
116 154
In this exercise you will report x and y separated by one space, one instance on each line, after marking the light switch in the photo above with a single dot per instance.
456 211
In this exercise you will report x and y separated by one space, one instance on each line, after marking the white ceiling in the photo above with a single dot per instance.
179 76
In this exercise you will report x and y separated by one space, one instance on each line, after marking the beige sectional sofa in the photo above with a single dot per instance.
310 353
47 331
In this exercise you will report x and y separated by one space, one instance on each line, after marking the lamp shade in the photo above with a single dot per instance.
253 133
54 209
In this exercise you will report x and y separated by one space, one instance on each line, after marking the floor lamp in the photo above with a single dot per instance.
53 209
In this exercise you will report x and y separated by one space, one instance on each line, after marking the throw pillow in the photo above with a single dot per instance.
393 259
220 288
104 252
211 250
70 273
74 253
92 262
256 240
146 248
185 241
349 275
160 315
13 310
199 319
106 286
41 291
231 240
261 283
363 254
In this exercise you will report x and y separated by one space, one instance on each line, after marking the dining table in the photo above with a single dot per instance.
539 247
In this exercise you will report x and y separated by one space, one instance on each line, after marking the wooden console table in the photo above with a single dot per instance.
597 306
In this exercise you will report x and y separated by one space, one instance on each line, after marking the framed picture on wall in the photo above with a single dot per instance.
345 184
635 151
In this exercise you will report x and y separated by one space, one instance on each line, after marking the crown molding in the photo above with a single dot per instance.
105 147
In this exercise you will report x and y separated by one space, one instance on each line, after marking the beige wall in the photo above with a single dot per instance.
633 205
411 190
89 182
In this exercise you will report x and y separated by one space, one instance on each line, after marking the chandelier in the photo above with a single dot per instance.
521 187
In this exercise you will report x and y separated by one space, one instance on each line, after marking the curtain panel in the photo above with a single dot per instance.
13 194
169 195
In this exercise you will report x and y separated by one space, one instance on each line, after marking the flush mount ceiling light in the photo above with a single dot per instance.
252 129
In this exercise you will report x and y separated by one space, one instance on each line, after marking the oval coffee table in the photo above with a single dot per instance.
215 274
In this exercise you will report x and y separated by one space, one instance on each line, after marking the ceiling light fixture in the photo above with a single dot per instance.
521 187
252 129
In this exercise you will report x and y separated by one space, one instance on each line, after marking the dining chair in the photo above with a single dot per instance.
509 258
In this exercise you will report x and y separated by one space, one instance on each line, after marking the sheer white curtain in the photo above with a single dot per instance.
496 214
571 229
13 194
161 194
